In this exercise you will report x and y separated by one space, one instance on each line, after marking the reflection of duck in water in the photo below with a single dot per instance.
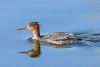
58 38
35 52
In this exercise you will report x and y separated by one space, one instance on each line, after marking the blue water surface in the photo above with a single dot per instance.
81 16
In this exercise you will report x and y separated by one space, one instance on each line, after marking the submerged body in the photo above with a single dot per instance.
58 38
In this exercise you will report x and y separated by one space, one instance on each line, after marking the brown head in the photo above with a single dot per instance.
31 26
34 27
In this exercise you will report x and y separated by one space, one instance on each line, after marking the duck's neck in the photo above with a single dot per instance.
36 33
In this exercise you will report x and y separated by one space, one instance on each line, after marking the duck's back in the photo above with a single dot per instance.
57 36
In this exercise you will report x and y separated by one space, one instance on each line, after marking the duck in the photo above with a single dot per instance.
55 38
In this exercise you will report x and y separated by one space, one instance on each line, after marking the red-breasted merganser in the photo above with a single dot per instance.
51 38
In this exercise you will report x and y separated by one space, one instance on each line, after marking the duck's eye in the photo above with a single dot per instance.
29 25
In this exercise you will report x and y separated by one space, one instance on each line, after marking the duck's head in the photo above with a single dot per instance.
31 26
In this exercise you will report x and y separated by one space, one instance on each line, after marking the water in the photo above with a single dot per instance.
77 16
